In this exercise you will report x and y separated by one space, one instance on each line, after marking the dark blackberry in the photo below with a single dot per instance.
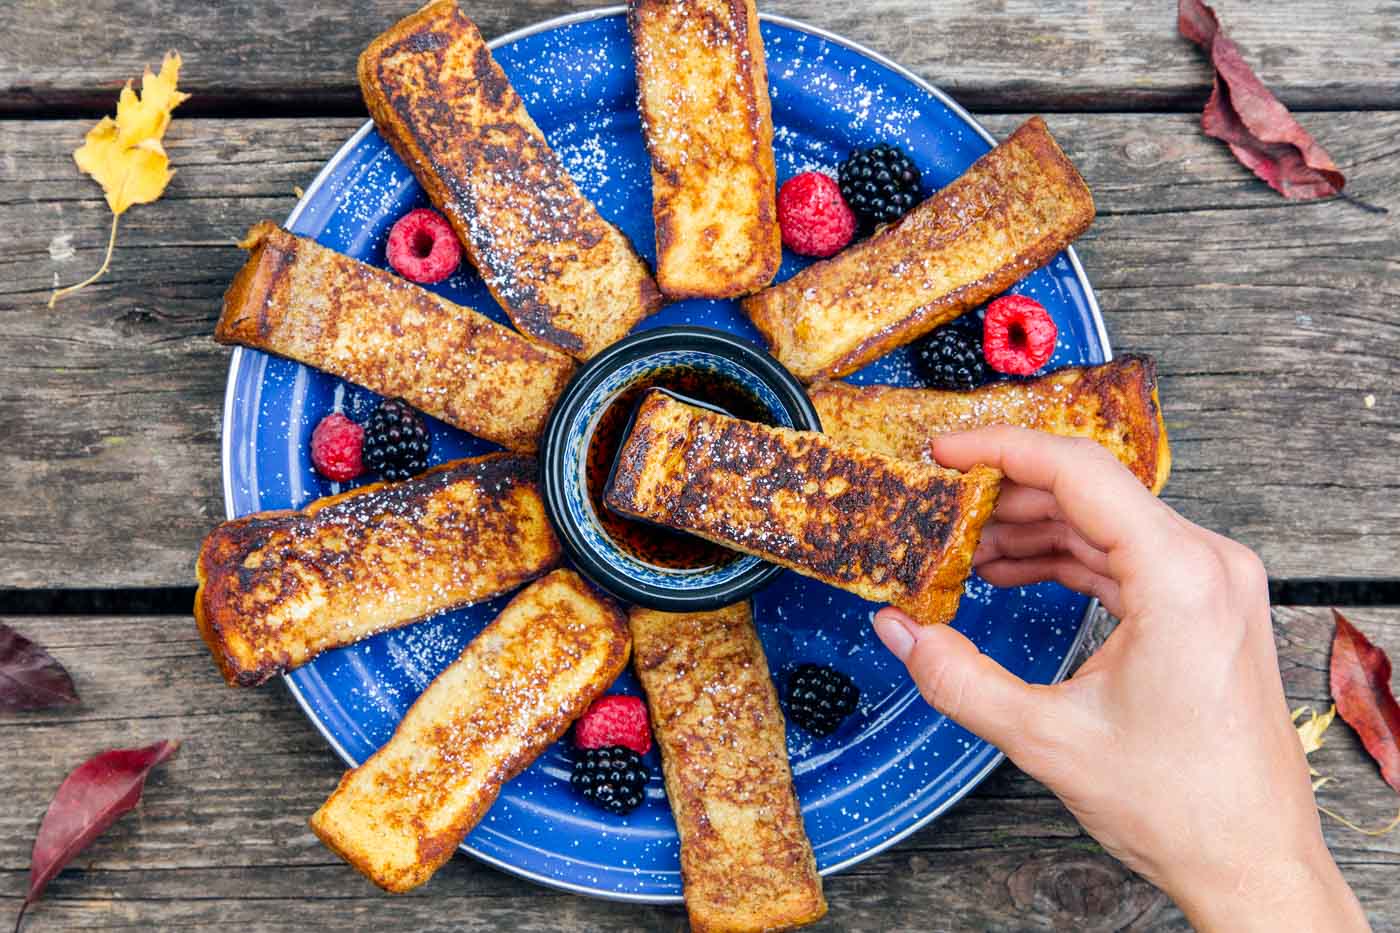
613 777
396 441
880 184
951 356
820 698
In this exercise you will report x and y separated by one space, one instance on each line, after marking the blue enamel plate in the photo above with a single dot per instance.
895 764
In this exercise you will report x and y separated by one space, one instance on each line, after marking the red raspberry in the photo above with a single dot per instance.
335 448
1018 336
422 247
813 217
614 720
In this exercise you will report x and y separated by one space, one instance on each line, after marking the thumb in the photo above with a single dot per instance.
961 682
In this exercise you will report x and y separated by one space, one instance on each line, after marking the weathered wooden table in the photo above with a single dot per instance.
1277 328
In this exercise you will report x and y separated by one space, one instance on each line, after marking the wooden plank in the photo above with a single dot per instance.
221 835
1273 322
1018 54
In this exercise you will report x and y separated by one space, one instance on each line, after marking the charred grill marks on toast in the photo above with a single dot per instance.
278 588
1006 216
1113 403
746 862
883 528
301 300
514 690
564 274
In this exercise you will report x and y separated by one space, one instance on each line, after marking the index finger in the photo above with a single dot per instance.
1099 496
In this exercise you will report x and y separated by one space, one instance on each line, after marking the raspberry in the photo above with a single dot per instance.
614 720
813 217
422 247
1018 335
336 447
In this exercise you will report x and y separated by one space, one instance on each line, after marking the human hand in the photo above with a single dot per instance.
1172 745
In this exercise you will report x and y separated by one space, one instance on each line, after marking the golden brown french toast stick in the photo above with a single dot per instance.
515 689
298 299
888 530
1006 216
564 274
1115 404
278 588
702 89
746 863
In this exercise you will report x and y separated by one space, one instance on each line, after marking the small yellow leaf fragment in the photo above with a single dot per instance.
1310 731
125 156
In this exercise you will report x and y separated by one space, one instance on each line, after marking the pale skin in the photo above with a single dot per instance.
1172 744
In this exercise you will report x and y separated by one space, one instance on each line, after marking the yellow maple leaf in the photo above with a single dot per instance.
125 156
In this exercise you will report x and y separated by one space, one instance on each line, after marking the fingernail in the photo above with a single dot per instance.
894 636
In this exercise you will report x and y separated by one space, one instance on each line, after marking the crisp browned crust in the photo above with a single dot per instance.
1009 214
746 862
702 91
519 684
564 274
1114 404
278 588
888 530
301 300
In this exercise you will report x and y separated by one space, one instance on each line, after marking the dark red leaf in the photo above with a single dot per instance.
88 801
1361 690
29 676
1259 130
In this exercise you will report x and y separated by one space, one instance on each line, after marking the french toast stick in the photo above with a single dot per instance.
565 275
702 90
1006 216
278 588
1115 404
888 530
301 300
513 691
746 862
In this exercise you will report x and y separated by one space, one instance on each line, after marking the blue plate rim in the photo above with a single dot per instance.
236 361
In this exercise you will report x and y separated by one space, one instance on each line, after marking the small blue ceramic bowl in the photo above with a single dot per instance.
636 562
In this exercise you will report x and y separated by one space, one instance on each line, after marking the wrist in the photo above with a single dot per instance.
1291 891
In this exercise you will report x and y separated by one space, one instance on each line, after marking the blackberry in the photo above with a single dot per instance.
613 777
396 441
951 356
880 184
820 698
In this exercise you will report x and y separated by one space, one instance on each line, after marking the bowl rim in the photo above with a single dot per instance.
570 405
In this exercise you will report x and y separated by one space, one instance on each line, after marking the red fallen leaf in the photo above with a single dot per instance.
1246 115
88 801
1361 689
30 678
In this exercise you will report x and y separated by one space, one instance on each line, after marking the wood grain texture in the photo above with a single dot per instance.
1272 323
1004 56
221 836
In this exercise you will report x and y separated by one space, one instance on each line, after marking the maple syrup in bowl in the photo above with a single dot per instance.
636 561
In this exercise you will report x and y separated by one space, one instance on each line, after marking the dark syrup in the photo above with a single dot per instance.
660 547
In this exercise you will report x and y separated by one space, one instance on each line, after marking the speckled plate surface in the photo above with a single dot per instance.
895 764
